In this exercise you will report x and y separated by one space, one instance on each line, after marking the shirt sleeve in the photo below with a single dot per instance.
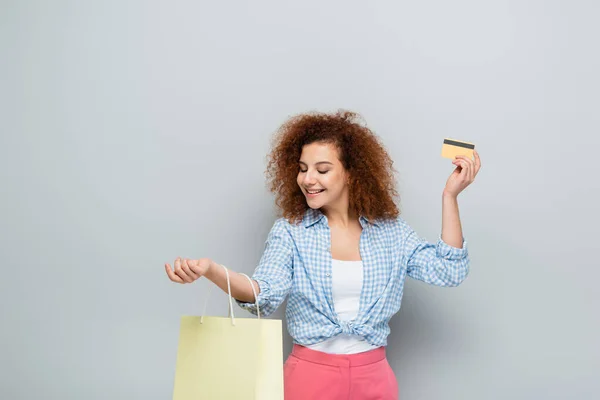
274 271
436 263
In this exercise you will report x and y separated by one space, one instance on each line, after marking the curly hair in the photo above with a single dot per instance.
371 185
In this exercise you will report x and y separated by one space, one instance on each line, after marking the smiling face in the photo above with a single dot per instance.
322 177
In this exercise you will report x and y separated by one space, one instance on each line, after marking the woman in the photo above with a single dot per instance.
341 253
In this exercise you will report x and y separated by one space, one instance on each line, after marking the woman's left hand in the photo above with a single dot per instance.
463 175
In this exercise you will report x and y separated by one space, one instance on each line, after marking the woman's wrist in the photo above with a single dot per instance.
449 196
212 269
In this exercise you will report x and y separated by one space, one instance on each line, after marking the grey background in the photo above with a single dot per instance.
136 132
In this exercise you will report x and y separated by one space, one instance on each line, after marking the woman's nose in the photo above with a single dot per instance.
309 178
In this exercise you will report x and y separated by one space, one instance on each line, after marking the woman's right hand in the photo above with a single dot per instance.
187 271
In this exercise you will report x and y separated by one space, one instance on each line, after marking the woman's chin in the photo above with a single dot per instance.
315 205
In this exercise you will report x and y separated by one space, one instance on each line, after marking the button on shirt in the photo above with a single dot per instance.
297 263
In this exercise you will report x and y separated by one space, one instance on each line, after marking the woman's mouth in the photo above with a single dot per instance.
314 193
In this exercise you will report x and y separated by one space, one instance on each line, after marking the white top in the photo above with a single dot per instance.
347 281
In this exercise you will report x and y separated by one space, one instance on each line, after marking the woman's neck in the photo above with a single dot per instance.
342 218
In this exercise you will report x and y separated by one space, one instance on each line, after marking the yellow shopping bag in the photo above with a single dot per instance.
229 358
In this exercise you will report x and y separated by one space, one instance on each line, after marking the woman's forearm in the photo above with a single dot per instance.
240 286
451 227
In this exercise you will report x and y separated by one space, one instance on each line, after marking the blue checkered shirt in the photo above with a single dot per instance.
297 262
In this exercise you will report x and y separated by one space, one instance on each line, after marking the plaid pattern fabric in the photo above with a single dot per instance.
297 262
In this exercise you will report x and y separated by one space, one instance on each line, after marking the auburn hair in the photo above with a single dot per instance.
372 191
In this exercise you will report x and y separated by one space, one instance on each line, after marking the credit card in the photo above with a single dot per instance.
452 148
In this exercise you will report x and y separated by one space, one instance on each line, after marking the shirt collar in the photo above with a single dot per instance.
312 216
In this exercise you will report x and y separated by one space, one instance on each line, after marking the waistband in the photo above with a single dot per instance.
340 360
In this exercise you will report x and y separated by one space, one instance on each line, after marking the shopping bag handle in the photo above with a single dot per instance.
255 295
230 298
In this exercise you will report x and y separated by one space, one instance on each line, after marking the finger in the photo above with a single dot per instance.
466 167
181 273
172 275
183 276
195 267
459 160
477 161
186 267
472 168
458 166
467 159
472 172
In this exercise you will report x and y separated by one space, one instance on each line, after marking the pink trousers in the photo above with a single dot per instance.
313 375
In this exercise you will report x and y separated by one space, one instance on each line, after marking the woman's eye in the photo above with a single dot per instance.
321 172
